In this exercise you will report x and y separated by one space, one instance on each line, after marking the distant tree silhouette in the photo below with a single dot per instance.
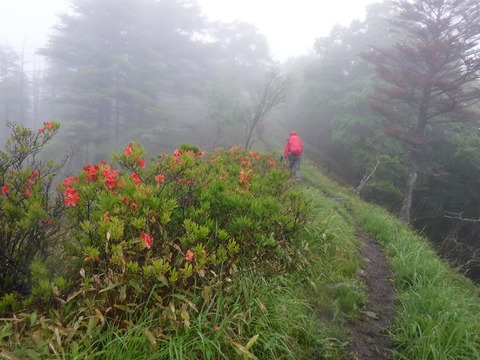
264 96
429 76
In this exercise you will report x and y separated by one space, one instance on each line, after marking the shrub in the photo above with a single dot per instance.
155 239
29 210
185 221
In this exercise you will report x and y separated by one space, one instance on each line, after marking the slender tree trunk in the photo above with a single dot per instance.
407 200
416 155
366 178
248 143
251 128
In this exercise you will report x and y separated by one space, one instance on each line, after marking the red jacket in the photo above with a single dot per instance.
293 145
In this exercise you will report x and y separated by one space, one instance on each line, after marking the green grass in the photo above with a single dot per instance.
439 316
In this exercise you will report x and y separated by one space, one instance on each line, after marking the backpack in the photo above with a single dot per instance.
295 145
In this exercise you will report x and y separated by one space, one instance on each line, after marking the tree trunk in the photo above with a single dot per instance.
407 200
248 143
411 179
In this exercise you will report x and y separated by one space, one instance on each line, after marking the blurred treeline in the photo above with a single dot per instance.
159 73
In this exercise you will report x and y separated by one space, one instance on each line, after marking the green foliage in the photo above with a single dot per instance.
29 211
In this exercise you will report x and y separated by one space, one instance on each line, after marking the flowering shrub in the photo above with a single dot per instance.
29 211
155 236
185 219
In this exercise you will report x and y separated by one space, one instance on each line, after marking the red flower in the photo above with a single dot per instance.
35 173
128 150
190 255
88 258
136 178
147 239
28 192
46 124
68 181
160 178
141 163
106 218
110 178
71 197
5 188
91 172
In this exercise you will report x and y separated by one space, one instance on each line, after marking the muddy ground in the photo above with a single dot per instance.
369 335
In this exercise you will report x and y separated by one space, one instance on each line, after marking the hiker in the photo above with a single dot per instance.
293 152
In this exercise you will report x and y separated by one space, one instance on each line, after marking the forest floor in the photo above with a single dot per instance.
369 335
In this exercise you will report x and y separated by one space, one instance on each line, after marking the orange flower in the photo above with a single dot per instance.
190 255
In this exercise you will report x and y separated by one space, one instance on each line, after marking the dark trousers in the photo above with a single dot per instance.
294 165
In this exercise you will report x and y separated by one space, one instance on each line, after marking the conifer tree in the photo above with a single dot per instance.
429 76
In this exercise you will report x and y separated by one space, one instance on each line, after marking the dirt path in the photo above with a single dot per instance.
369 335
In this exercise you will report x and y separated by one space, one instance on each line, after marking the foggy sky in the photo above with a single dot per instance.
290 26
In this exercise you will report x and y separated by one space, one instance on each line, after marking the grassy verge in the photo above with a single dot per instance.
439 315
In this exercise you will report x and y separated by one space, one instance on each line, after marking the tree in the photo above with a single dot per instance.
13 91
227 108
264 95
110 61
429 76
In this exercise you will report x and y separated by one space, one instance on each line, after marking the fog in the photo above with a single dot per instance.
184 101
290 26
